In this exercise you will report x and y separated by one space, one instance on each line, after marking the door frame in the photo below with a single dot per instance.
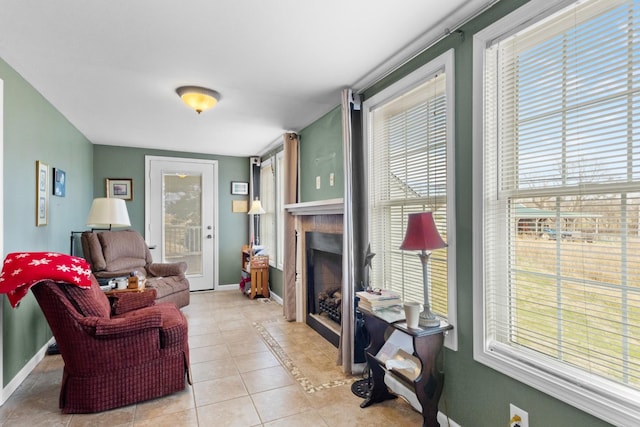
147 203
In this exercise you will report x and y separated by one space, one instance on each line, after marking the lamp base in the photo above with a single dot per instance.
427 319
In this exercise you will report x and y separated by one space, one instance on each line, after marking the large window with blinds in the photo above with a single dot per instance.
557 226
409 129
268 200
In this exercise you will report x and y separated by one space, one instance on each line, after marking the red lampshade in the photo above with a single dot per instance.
422 234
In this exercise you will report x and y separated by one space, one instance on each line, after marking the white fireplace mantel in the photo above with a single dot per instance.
320 207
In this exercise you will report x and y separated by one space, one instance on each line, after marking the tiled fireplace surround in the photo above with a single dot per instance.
323 217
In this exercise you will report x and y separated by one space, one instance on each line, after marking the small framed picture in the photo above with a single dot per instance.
59 182
42 194
120 188
241 188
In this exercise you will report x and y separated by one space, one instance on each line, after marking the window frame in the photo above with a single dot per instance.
600 398
445 62
269 162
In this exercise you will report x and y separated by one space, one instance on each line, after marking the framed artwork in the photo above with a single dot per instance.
42 193
120 188
241 188
59 182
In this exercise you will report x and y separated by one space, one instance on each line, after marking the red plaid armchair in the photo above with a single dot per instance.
114 354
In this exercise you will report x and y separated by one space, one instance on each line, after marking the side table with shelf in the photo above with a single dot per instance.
427 344
255 268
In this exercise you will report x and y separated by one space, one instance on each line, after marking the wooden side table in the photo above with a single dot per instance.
257 267
427 344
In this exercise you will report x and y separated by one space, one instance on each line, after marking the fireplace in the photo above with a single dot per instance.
324 284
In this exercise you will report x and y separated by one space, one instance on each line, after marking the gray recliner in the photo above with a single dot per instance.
118 253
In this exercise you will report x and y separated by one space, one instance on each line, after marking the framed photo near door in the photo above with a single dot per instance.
42 193
120 188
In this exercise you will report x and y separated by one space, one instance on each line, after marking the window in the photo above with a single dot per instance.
409 129
280 209
268 200
557 202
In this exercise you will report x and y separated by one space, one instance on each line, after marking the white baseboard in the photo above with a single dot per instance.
24 373
446 422
276 297
231 287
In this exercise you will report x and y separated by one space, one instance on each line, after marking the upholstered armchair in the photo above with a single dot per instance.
114 354
118 253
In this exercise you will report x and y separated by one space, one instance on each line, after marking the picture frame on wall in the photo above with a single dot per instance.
59 182
239 188
42 193
120 188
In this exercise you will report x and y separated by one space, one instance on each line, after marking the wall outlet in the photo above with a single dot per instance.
331 179
317 182
515 412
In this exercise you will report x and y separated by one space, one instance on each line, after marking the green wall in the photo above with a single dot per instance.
474 394
320 155
233 228
35 130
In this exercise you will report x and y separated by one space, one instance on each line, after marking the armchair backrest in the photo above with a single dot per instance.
115 252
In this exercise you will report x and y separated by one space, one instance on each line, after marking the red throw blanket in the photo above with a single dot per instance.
22 270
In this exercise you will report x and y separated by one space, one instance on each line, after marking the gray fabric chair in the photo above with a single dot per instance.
118 253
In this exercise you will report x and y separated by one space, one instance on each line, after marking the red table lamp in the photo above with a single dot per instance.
422 235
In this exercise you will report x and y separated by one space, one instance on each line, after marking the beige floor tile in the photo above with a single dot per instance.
208 353
117 417
250 368
218 390
281 402
254 361
211 370
238 412
187 418
267 379
240 348
176 402
309 418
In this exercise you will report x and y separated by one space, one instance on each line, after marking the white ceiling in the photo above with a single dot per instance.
112 66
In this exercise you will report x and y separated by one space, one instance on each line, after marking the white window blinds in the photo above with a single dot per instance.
268 200
561 202
409 171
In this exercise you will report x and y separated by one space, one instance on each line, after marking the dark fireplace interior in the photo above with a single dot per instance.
324 284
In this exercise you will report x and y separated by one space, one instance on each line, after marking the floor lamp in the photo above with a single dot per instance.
105 213
422 235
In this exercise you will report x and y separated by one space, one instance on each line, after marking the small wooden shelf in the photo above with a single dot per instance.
255 267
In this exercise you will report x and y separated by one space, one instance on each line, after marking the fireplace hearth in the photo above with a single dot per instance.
324 284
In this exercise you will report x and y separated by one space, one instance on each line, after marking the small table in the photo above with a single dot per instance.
427 343
140 288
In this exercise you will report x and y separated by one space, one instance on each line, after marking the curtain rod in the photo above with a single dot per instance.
365 83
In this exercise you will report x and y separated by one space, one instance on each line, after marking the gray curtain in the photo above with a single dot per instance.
352 251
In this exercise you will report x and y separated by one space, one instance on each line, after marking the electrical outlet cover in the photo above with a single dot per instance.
524 416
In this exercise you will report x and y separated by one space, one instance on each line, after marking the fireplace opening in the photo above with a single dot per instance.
324 284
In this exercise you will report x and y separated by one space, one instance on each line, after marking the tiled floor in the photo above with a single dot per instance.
250 368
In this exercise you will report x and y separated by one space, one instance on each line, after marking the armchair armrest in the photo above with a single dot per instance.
129 301
122 326
166 269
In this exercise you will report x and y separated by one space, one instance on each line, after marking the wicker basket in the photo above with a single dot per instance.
260 261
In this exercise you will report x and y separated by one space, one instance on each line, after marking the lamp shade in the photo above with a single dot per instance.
198 98
107 212
422 233
256 208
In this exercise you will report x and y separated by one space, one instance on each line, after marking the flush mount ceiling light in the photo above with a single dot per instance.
198 98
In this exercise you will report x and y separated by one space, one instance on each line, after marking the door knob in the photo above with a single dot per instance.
209 236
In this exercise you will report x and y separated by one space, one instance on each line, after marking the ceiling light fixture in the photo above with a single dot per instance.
198 98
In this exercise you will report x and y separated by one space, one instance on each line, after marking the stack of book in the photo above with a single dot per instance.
373 301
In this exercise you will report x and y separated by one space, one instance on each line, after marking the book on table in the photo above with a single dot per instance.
372 301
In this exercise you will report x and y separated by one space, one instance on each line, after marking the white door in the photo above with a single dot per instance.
181 215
